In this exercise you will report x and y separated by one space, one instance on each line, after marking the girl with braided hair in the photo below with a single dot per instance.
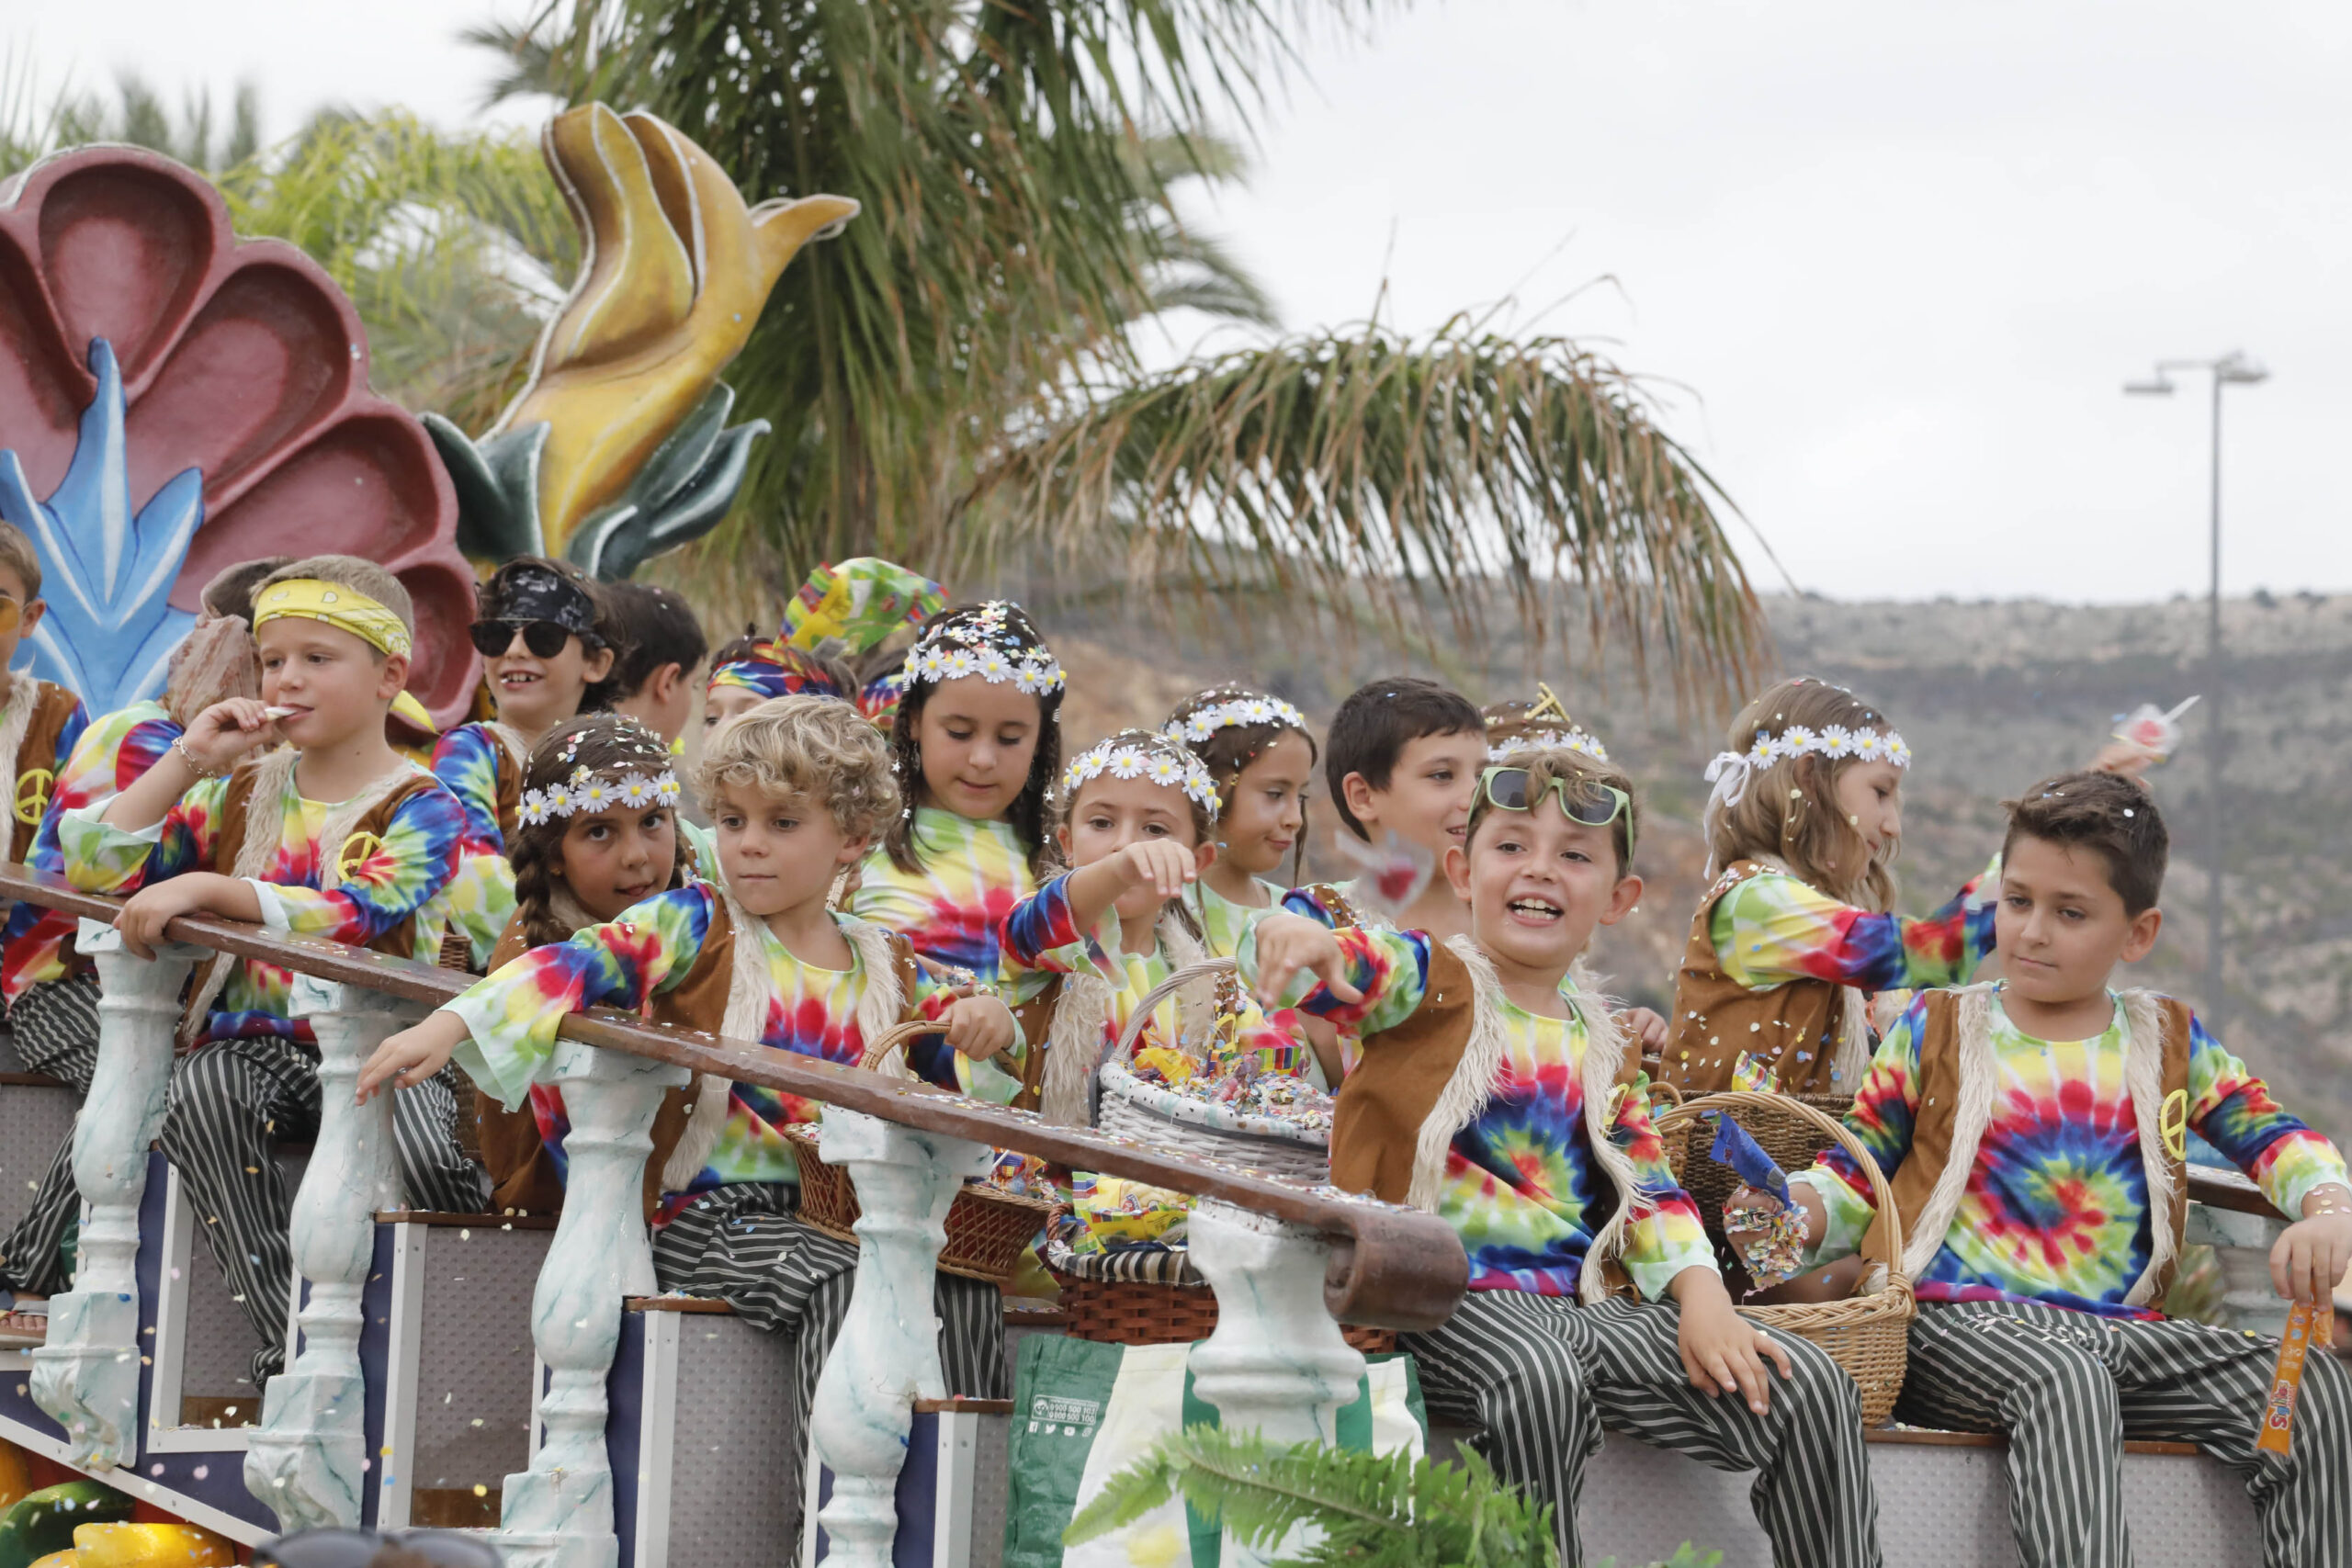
576 864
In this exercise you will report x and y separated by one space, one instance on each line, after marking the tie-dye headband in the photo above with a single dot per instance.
778 670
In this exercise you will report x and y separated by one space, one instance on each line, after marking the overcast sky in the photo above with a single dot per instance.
1890 266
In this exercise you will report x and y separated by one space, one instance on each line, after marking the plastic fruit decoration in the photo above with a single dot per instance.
618 448
44 1522
175 399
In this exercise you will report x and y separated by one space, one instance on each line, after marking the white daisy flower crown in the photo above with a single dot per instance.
1125 758
591 792
1202 723
985 646
1730 771
1575 740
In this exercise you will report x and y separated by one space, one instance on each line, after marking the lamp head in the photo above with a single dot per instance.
2237 370
2154 386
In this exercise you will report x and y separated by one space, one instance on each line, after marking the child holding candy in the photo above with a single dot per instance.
2034 1136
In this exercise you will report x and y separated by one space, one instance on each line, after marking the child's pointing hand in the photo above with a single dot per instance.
1288 943
1163 865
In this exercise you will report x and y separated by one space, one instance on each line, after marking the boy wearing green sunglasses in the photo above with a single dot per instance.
1495 1090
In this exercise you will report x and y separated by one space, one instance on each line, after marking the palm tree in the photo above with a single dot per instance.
957 378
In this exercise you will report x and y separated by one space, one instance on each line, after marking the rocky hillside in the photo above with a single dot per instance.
1992 696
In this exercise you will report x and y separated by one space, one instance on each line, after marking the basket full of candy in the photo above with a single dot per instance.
1203 1098
990 1226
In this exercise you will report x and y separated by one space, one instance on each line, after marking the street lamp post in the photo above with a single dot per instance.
2231 369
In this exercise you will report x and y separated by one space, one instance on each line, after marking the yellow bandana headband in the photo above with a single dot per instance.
308 598
337 605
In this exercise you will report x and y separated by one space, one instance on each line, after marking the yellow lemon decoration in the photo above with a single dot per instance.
148 1546
32 794
68 1558
2173 1123
356 851
677 267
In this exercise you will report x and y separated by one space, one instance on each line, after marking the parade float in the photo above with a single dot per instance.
175 399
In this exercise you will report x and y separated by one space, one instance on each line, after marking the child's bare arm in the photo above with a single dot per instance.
221 734
150 910
414 1054
1722 1351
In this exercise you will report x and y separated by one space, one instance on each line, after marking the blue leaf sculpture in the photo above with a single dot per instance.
106 574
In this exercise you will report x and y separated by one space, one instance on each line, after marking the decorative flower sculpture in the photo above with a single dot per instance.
147 355
618 448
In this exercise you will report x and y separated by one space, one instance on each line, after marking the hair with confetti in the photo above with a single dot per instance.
2114 816
1786 806
1228 727
1154 757
820 748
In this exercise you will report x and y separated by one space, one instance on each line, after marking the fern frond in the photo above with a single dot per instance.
1124 1498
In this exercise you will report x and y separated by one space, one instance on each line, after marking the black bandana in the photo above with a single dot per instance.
527 592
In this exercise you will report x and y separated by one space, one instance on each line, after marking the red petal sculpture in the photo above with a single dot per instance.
239 359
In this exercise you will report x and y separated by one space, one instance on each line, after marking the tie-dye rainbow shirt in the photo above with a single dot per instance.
973 873
469 759
512 1017
1521 1180
2056 1207
1041 936
109 758
1773 928
410 874
1224 922
1309 901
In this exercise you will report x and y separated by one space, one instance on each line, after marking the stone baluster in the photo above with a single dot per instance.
1277 1363
86 1376
887 1354
558 1513
308 1459
2241 1244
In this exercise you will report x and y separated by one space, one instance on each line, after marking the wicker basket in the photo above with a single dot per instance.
1126 1105
1868 1334
1793 1140
987 1229
1174 1311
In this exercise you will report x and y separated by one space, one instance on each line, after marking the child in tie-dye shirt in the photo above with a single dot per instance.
549 645
797 788
975 744
1138 815
1496 1092
2034 1136
336 836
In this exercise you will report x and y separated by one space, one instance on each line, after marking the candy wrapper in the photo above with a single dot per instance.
1390 874
1165 1064
1772 1245
1023 1175
1754 1075
2153 729
1119 1213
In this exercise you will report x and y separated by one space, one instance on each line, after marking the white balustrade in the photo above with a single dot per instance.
307 1461
1277 1363
86 1376
558 1513
887 1354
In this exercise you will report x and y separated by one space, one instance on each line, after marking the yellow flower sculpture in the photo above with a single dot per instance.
615 448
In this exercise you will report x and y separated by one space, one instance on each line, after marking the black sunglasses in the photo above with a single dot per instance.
544 639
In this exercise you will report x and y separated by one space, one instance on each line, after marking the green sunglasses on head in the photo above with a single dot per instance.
1586 801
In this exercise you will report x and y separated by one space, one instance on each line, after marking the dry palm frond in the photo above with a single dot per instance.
1364 465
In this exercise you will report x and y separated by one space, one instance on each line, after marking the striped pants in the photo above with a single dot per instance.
1542 1377
742 1244
2068 1388
232 1102
56 1028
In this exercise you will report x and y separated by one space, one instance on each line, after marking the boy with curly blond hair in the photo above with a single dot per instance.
797 789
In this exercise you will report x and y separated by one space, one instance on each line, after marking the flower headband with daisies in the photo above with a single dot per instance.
1125 758
1202 723
591 792
985 646
1730 771
1575 740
